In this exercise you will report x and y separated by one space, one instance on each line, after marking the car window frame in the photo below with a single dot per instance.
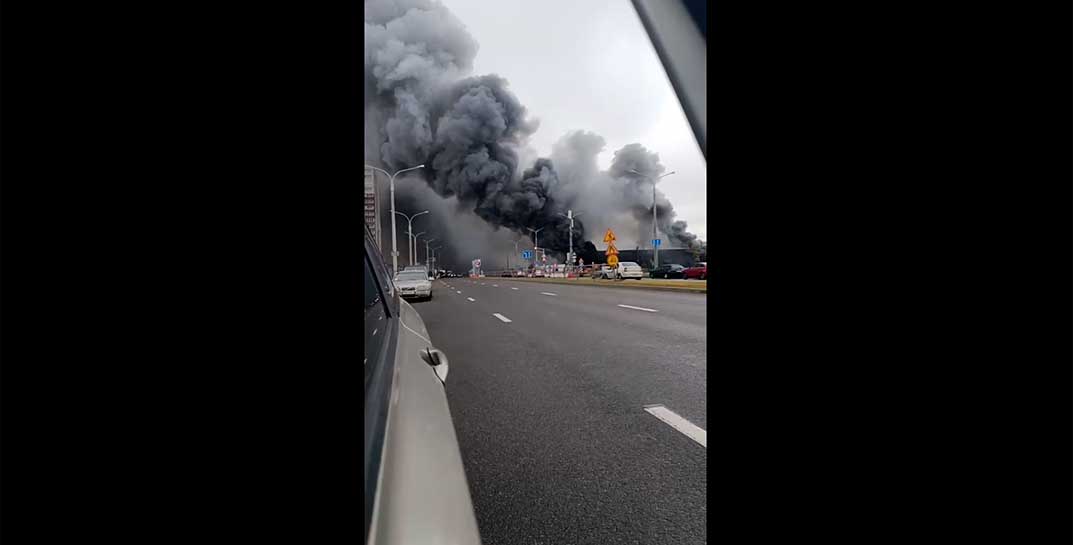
379 380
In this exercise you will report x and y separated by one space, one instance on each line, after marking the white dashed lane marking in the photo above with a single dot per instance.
514 288
502 318
546 293
686 427
470 298
639 308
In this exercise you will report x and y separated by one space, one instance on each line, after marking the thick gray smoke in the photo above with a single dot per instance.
424 107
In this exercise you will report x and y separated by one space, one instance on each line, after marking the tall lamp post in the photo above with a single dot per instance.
536 245
409 231
391 178
655 249
427 241
434 266
413 247
571 215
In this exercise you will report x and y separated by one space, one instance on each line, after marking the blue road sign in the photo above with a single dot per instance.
526 254
656 242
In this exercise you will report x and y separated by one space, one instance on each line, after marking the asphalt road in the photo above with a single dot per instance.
549 409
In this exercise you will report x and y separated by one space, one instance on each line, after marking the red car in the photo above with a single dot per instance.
700 270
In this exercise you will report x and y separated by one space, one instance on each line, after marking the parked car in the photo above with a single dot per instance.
668 271
414 284
700 270
626 269
629 269
519 273
410 438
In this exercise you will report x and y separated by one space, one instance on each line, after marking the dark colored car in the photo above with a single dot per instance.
412 462
668 271
700 270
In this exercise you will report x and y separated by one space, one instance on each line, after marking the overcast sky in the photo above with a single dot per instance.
588 64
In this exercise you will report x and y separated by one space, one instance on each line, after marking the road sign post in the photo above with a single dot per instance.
611 252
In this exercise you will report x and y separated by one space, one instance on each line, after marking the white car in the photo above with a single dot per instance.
626 269
414 284
629 269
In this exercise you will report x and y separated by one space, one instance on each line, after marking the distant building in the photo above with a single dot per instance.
372 207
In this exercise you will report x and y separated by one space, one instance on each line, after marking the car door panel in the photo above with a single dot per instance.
424 495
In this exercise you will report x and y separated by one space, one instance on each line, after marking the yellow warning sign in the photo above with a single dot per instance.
611 250
609 236
612 260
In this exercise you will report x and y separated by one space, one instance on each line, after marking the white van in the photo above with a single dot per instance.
626 269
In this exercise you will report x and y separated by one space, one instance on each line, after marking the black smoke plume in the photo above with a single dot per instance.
425 108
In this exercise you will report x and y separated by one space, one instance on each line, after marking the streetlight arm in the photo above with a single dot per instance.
408 169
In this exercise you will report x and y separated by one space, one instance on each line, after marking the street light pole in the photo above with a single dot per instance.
571 215
394 237
413 247
434 250
655 249
427 241
409 231
536 245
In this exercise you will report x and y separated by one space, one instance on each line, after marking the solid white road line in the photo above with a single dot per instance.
546 293
470 298
687 428
639 308
502 317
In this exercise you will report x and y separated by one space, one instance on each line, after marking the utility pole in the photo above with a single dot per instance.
394 237
655 249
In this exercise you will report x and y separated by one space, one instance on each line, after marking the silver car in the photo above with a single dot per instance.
414 284
415 484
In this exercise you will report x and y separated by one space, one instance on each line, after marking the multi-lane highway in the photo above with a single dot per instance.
552 390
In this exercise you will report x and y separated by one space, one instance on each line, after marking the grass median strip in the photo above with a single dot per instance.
688 286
